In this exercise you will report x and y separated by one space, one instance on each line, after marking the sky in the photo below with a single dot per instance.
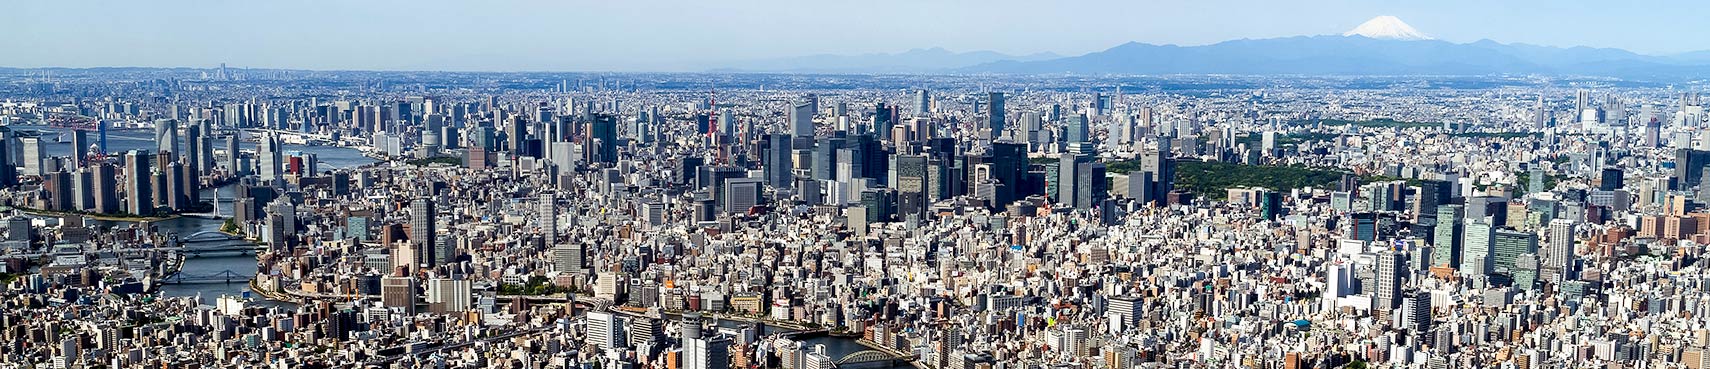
676 35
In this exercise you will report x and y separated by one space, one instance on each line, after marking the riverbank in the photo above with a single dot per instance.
96 216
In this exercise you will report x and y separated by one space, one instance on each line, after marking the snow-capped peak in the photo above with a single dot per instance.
1388 28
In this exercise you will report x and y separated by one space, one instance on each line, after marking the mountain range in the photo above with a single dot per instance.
933 60
1382 46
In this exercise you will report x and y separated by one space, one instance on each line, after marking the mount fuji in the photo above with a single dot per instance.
1387 28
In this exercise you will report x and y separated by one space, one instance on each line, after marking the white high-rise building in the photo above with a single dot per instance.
448 296
604 330
33 150
272 159
706 353
1560 255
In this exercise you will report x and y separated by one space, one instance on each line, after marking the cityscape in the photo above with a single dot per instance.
1487 205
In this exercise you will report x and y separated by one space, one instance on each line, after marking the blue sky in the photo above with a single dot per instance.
629 35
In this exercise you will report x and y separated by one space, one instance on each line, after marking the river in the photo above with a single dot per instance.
330 157
134 139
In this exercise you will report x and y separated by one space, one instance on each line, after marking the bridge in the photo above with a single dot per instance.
227 277
868 359
206 242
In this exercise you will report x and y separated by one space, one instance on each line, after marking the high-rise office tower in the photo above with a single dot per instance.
166 137
706 352
922 103
8 172
398 293
740 194
33 155
604 330
567 258
83 183
1508 245
448 295
1540 116
995 113
79 147
602 132
1446 242
232 155
59 189
1559 257
272 158
422 235
1081 183
106 183
884 116
546 214
1476 247
138 192
1009 167
1076 130
1161 168
1391 269
1418 312
909 176
778 167
1581 103
174 185
802 120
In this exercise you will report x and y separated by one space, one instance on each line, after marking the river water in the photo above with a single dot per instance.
119 141
330 157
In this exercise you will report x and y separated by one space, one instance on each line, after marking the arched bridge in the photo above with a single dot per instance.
207 236
865 356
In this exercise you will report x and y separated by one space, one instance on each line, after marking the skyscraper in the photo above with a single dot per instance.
1391 269
398 293
8 173
166 137
1158 164
1076 130
778 168
1446 242
138 192
604 330
34 154
1581 103
602 131
272 159
995 113
422 235
801 120
1508 245
1081 183
79 146
706 352
546 214
1559 257
922 103
232 155
448 296
106 192
1476 247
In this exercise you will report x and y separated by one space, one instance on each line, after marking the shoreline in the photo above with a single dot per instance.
110 218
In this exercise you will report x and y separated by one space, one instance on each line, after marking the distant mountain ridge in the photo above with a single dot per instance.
930 60
1359 55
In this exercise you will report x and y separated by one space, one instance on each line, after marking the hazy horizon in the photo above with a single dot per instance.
528 35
